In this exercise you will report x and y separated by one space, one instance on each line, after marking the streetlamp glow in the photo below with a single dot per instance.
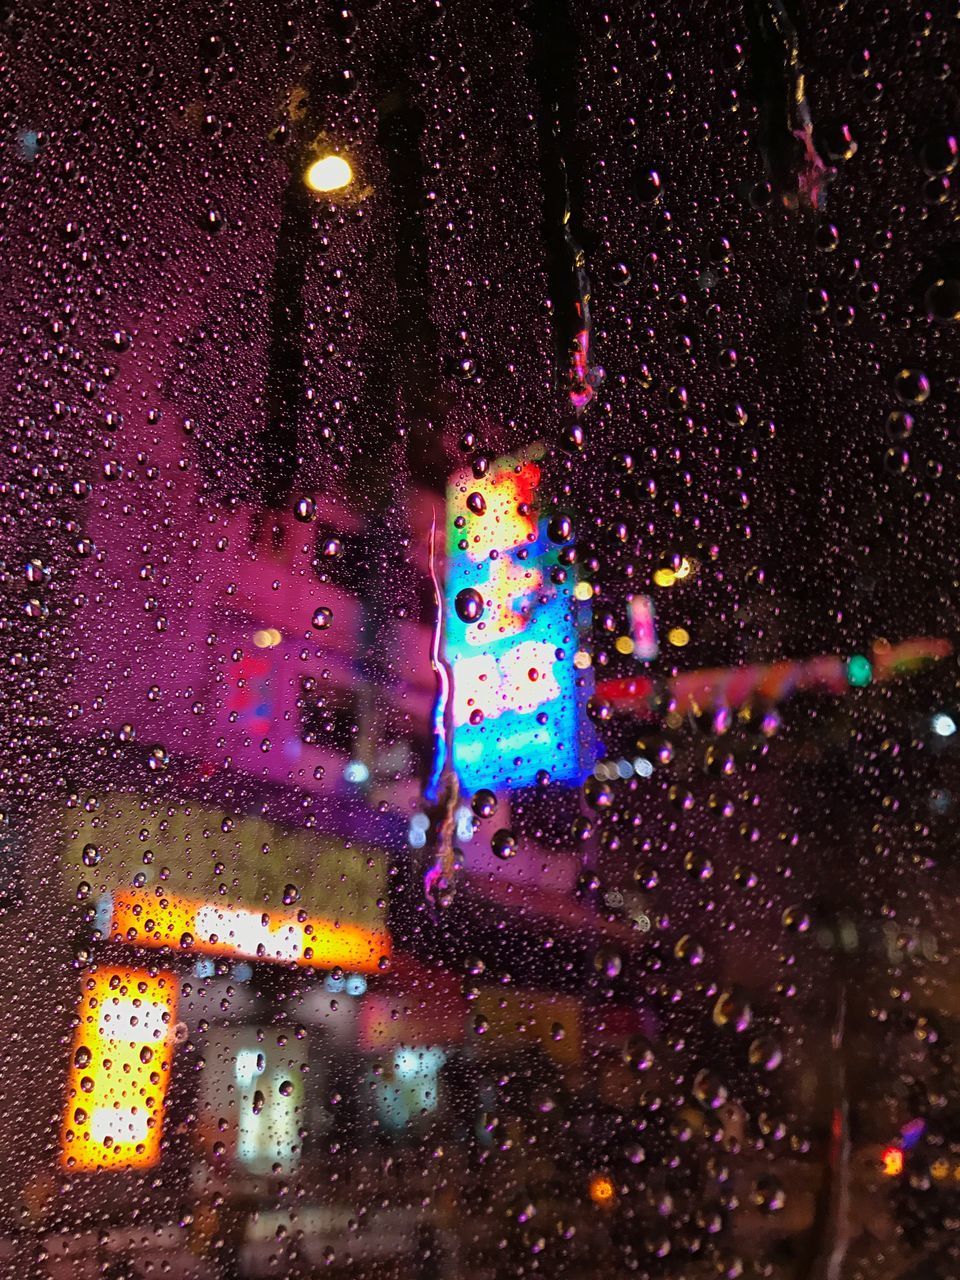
328 173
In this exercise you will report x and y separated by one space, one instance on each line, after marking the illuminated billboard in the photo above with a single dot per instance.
512 636
119 1071
155 918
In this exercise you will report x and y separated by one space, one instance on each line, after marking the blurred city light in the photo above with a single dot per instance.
267 638
643 628
859 671
122 1049
328 173
356 772
943 725
602 1190
142 918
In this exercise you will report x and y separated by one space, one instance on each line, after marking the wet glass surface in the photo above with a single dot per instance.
478 744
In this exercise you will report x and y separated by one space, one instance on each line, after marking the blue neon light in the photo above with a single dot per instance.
518 698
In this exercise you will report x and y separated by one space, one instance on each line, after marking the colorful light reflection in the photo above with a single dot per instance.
122 1050
517 698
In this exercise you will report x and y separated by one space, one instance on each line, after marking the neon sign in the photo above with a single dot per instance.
122 1050
154 918
512 631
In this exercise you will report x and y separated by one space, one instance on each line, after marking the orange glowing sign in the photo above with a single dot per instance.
891 1160
122 1050
152 918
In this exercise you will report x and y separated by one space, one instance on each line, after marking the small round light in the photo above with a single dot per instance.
329 173
679 637
943 725
602 1190
356 772
267 638
859 671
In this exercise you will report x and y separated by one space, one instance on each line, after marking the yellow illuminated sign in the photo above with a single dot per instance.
153 918
119 1071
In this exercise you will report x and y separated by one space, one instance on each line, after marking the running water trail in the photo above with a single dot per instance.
779 67
831 1225
443 788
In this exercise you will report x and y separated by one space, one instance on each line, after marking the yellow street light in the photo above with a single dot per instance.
328 173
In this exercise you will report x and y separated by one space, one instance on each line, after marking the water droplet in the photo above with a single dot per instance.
504 844
899 424
689 950
796 919
911 386
469 604
943 300
619 274
732 1011
484 804
560 529
896 461
608 962
765 1053
768 1194
649 186
709 1090
638 1053
698 866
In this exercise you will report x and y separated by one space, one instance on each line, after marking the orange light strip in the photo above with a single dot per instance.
119 1071
152 918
